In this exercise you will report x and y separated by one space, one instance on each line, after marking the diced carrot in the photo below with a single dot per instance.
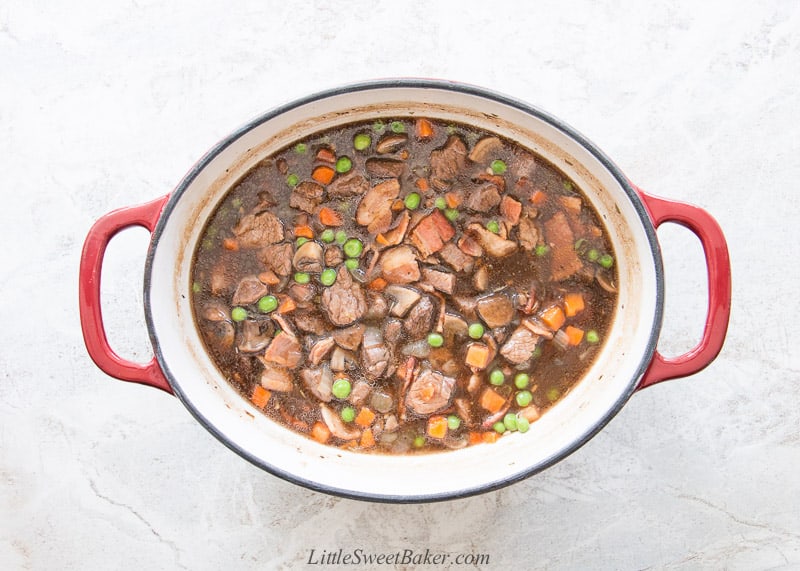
491 401
424 129
323 174
365 417
404 154
269 277
326 155
573 304
490 437
538 197
452 199
422 184
478 355
367 439
320 432
378 284
398 205
287 305
553 317
349 445
437 427
426 393
329 217
475 437
574 334
260 396
381 239
304 232
231 244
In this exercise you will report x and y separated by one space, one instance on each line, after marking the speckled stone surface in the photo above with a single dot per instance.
108 104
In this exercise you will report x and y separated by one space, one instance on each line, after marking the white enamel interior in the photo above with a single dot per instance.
581 413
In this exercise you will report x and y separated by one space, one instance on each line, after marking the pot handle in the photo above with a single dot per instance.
94 335
715 250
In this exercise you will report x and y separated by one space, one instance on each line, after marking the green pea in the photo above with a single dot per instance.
542 250
302 278
343 164
327 277
362 141
397 127
351 263
327 236
267 304
475 330
536 352
341 388
606 261
340 236
238 314
412 201
196 287
523 424
236 202
440 203
493 226
553 394
453 422
300 148
419 442
379 126
292 180
580 243
521 380
592 336
435 340
567 185
497 377
510 421
451 214
300 241
353 248
348 414
592 255
524 398
499 427
498 167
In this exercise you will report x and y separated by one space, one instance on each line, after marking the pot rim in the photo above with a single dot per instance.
414 83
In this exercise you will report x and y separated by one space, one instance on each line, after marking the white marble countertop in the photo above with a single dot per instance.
108 104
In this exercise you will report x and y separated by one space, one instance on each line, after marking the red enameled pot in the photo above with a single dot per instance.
627 363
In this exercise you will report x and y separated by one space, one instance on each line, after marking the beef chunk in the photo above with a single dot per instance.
344 302
449 161
306 196
351 185
420 319
257 230
430 392
278 258
564 260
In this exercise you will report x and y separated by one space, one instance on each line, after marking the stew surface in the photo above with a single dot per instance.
404 286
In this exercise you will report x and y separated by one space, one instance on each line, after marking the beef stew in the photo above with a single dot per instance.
405 286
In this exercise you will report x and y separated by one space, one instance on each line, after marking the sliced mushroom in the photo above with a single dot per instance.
308 258
391 143
485 149
605 280
480 279
250 338
404 299
215 311
337 426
